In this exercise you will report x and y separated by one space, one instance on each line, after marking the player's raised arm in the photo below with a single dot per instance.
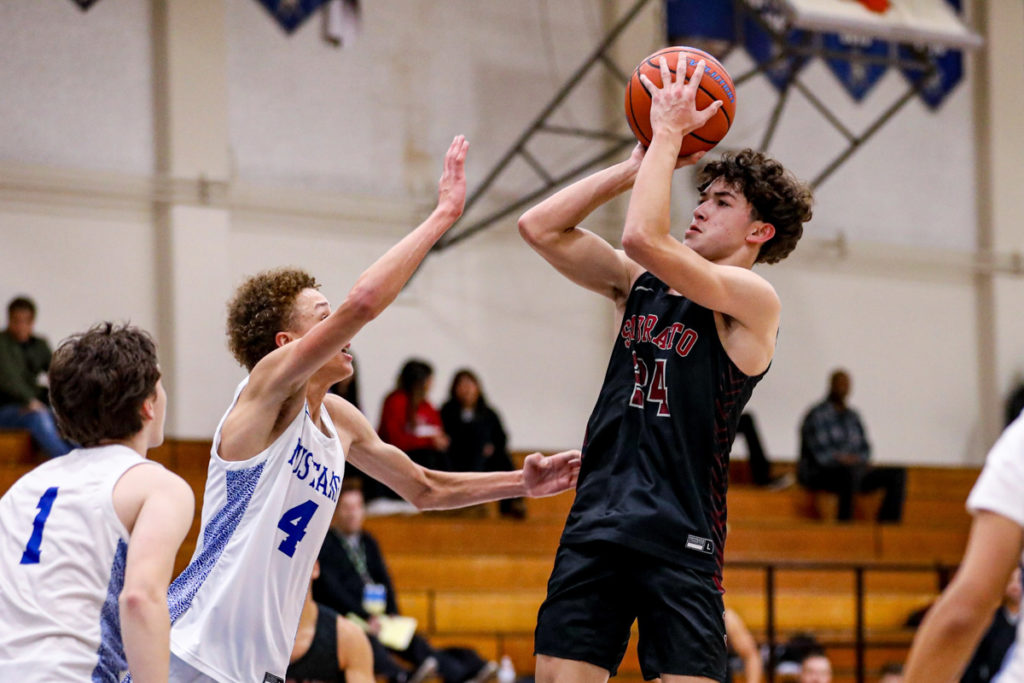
953 626
156 506
374 290
552 229
722 287
434 490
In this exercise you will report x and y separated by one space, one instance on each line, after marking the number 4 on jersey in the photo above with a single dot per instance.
654 383
294 523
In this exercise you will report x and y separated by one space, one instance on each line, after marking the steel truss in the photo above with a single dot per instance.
616 142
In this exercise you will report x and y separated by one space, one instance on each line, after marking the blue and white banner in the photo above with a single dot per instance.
291 13
857 76
766 50
844 54
949 70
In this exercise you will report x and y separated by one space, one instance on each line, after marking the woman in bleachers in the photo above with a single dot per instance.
478 439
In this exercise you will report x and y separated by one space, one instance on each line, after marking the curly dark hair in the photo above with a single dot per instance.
775 194
263 306
99 380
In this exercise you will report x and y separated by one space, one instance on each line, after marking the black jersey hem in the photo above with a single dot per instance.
690 559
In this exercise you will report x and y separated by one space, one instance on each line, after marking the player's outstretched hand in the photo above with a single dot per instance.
451 196
546 476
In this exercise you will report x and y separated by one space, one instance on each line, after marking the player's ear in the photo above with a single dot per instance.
149 408
282 338
760 232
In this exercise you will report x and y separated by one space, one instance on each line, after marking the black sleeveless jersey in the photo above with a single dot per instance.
655 465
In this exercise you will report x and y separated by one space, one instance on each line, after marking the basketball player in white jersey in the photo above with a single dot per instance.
278 454
953 626
87 541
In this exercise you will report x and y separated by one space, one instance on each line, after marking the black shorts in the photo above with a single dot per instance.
597 590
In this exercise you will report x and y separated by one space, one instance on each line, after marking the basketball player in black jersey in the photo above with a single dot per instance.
645 536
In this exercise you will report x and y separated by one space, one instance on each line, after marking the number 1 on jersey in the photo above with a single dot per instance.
31 553
294 522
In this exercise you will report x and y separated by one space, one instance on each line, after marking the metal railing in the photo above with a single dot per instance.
860 642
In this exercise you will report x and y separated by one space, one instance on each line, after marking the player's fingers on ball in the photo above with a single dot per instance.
666 74
698 73
648 83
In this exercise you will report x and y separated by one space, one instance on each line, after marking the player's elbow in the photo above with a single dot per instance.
965 607
137 602
365 303
428 491
529 229
637 245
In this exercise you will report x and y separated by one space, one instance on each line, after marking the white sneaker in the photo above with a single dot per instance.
424 671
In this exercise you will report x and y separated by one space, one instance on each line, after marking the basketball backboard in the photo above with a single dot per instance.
928 23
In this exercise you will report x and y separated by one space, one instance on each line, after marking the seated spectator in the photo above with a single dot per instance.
24 357
350 563
478 441
328 648
816 668
988 657
790 655
409 421
834 454
760 467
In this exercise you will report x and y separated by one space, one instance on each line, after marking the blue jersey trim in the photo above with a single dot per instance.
110 657
240 486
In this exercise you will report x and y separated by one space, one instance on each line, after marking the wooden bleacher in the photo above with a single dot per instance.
478 580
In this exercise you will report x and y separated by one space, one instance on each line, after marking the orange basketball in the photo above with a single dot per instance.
715 85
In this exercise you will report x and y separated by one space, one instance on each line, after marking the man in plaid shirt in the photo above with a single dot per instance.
834 454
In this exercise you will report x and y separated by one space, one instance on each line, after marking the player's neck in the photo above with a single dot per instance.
138 442
316 392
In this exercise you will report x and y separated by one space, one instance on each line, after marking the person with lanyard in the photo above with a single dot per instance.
354 579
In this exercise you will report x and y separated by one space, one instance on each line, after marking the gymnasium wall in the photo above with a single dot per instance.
334 154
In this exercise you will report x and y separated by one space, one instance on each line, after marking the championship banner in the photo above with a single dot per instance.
857 76
291 13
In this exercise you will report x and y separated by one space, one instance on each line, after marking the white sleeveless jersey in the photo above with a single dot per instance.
62 560
235 609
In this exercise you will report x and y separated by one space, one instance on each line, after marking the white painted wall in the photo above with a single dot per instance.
345 147
77 86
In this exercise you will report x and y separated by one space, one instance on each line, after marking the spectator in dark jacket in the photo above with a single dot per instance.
24 358
834 455
478 440
351 560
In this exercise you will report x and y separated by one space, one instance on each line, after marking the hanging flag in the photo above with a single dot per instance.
704 19
291 13
85 4
857 76
936 86
767 51
948 69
